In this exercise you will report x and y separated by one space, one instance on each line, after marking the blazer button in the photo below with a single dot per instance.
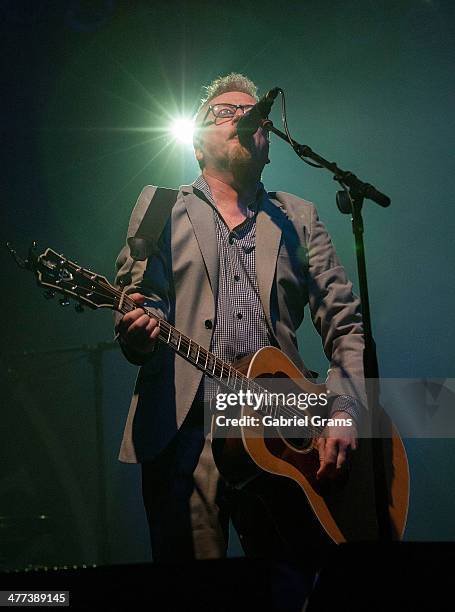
208 324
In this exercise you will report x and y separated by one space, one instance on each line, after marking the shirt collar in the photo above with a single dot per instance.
201 185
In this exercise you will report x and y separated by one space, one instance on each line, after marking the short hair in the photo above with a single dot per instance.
233 81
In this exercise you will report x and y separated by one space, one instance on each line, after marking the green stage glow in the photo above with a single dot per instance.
182 129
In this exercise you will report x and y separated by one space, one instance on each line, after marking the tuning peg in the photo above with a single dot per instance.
79 308
64 302
49 294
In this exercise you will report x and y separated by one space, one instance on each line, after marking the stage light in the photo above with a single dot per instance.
182 130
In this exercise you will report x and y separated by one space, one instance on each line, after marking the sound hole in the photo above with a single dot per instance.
299 444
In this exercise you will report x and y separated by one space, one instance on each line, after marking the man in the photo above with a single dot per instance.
233 270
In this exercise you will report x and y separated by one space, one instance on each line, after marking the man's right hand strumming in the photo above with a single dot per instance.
137 330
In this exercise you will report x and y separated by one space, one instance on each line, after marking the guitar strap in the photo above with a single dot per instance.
144 242
156 216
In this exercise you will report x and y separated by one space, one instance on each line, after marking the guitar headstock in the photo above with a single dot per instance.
60 275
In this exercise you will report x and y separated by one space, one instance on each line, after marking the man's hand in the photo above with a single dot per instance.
137 330
335 447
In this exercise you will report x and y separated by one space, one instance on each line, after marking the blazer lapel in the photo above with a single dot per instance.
201 217
268 235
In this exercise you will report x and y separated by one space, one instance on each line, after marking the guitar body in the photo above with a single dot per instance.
345 507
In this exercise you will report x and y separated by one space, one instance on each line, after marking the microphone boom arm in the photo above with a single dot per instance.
347 179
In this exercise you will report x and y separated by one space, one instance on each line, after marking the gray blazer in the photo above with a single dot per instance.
296 265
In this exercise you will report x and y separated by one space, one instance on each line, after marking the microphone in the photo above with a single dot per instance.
252 120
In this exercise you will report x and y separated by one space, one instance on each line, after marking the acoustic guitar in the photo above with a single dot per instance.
345 507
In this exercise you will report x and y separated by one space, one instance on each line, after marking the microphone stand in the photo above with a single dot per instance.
350 201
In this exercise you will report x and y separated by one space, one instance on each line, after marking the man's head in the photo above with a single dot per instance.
216 143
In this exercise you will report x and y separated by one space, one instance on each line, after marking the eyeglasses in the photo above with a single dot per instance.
226 111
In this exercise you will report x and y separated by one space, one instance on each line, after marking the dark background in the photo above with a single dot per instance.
89 90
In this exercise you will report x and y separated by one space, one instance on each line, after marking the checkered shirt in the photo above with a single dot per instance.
240 324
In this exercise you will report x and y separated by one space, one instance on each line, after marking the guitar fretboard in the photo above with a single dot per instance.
204 360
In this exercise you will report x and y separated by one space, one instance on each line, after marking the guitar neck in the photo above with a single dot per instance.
194 353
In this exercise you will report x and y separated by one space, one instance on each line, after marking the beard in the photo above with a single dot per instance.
241 162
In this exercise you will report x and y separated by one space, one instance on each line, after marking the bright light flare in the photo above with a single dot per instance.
182 130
